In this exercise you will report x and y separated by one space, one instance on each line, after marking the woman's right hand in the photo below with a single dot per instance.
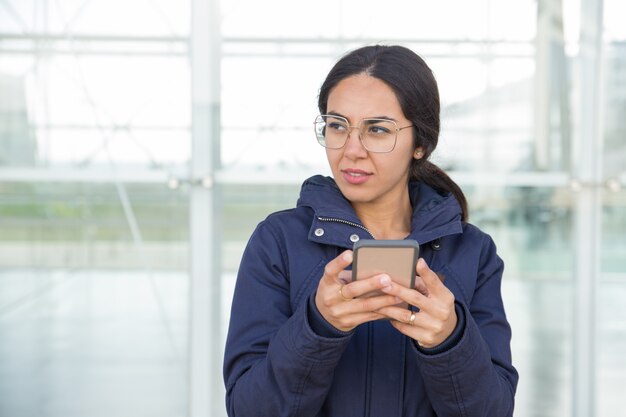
336 297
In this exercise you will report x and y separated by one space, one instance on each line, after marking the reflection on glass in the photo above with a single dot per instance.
65 110
86 226
93 343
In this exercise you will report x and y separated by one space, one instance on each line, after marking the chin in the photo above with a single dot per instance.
355 195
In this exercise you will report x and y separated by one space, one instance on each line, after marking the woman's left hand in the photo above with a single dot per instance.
436 318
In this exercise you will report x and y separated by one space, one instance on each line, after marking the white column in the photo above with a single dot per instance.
551 92
206 392
586 169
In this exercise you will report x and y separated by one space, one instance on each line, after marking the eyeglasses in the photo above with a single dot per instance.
376 135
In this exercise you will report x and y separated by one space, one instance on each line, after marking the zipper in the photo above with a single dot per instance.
368 371
331 219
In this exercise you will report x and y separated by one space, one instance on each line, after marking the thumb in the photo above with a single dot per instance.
430 277
334 267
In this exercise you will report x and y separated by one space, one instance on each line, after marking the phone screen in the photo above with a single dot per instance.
397 258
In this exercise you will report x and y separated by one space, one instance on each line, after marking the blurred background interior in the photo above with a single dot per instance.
141 141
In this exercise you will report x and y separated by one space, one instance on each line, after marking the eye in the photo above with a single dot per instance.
335 126
378 129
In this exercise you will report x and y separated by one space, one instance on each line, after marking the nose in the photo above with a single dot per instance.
353 146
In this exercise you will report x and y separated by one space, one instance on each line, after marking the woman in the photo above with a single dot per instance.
301 342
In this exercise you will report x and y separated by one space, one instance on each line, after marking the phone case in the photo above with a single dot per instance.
397 258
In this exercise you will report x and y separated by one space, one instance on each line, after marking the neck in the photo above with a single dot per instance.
390 220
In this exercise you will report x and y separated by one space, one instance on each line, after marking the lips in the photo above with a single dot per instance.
355 176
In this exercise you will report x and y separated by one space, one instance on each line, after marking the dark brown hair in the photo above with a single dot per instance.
416 90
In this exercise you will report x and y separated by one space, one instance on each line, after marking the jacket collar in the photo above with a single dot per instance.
434 215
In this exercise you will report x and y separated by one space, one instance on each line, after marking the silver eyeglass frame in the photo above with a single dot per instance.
321 139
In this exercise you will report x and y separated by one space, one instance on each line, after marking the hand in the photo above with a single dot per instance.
436 318
336 295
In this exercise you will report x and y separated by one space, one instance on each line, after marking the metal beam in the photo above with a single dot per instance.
269 176
87 44
587 151
206 389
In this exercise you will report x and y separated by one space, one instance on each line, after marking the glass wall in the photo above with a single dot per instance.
611 314
94 120
98 139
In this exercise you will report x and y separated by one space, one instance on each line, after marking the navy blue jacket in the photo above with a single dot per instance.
276 365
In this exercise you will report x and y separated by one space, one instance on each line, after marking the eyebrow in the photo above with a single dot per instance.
332 113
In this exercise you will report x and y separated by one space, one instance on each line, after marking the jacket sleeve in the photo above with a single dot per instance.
274 364
476 376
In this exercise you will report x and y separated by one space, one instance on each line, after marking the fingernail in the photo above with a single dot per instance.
385 280
347 256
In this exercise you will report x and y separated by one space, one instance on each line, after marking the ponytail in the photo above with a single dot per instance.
430 174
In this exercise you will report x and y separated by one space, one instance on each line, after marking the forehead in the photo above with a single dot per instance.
363 96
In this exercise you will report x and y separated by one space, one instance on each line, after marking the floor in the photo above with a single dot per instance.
113 343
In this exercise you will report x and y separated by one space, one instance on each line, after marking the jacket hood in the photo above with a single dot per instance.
434 215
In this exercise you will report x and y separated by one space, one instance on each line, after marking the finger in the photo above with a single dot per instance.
342 306
345 276
352 312
334 267
400 314
438 303
414 331
411 296
430 278
370 304
416 319
362 287
420 285
427 331
410 323
349 322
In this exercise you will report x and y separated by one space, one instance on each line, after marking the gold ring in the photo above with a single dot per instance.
412 319
341 293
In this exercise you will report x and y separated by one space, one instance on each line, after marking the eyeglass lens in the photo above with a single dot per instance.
376 135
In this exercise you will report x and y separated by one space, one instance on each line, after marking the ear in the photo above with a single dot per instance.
418 153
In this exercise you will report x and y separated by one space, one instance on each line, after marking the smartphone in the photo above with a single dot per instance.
396 258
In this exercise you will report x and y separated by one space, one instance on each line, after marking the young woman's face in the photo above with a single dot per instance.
362 176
